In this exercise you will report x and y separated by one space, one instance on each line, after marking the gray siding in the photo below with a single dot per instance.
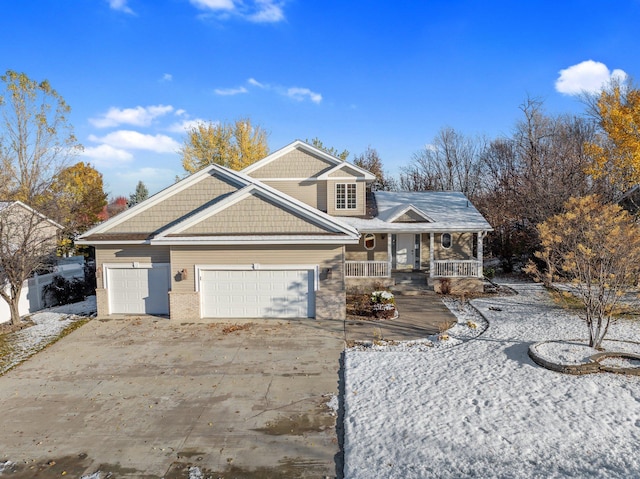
357 252
345 171
461 247
295 164
410 217
186 257
176 206
305 191
129 254
254 215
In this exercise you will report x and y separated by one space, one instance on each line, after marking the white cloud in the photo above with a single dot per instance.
256 11
586 77
167 77
254 82
268 11
106 155
121 6
138 116
213 4
300 94
128 139
295 93
230 91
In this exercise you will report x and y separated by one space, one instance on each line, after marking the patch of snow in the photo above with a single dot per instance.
484 409
195 473
6 466
95 475
574 352
620 362
333 404
47 326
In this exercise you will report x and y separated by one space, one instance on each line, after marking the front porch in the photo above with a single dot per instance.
441 255
451 262
439 269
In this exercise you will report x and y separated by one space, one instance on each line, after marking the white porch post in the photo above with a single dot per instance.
389 258
432 264
480 253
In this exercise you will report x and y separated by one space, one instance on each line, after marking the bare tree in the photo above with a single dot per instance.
27 244
371 161
530 175
450 163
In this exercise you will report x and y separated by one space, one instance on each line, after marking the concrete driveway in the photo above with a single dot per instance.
152 398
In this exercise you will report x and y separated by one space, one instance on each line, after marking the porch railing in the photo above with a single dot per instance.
457 269
367 269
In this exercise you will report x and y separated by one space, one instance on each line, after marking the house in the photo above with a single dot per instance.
24 228
28 239
281 239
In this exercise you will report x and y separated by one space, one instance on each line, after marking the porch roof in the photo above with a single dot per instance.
449 210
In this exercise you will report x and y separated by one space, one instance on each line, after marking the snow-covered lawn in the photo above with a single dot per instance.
483 409
48 325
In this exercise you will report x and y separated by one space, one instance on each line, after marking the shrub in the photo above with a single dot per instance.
64 291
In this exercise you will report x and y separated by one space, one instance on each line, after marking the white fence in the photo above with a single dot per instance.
32 296
457 269
366 269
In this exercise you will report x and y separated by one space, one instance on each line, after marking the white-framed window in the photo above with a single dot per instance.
346 196
446 240
369 241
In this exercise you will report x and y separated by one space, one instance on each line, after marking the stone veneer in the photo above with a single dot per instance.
184 305
102 302
331 304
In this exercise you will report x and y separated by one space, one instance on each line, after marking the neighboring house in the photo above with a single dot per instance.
22 227
26 238
281 239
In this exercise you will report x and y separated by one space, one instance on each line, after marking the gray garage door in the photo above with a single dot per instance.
257 294
139 290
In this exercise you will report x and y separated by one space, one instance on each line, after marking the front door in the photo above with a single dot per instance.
405 251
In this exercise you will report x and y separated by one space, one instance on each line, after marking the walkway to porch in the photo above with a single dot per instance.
420 315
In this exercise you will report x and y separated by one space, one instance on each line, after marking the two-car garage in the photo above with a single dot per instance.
232 292
257 293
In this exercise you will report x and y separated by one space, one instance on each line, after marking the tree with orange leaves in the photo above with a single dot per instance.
616 153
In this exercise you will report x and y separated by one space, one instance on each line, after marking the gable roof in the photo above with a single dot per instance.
335 164
191 226
449 211
5 205
391 215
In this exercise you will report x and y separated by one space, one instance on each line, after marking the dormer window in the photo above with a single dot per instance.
346 196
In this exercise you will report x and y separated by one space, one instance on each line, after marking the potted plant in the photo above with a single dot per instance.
383 305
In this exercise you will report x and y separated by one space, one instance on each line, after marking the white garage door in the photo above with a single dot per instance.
138 290
257 294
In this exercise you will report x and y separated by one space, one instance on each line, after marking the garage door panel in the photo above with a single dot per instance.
139 290
257 293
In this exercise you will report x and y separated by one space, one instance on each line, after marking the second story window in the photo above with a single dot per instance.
345 196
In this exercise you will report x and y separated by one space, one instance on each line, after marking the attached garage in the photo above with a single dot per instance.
258 293
138 289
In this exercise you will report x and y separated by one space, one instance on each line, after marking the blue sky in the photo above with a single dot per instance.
353 73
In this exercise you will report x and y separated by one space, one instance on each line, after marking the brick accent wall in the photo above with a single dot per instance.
184 305
102 302
331 304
